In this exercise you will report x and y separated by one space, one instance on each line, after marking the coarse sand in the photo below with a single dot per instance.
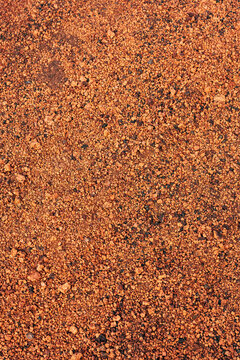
119 179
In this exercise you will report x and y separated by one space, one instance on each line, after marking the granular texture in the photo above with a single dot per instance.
119 179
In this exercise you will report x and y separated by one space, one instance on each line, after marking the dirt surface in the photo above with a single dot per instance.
119 180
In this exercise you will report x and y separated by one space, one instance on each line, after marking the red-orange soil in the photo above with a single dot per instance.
119 180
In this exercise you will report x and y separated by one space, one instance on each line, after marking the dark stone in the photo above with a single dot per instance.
181 340
102 339
31 289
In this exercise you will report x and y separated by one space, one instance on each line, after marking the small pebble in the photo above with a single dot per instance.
83 78
219 98
64 288
20 178
34 276
49 120
35 145
13 252
77 356
29 336
7 168
73 329
117 318
110 34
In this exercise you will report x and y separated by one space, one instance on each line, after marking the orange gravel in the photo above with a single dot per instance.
119 179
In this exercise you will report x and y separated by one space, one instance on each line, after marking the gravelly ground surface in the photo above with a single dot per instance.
119 180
